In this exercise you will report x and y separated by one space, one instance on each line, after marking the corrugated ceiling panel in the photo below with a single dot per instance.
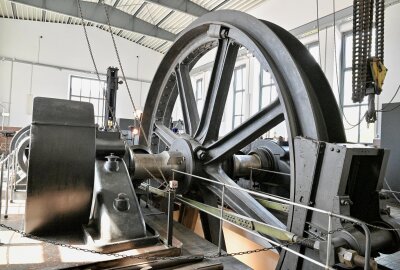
130 35
5 9
130 6
177 22
151 42
153 13
241 5
165 47
208 4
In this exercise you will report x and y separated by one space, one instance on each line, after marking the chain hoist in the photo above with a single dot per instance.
368 69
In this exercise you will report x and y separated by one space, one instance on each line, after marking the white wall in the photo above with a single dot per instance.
65 45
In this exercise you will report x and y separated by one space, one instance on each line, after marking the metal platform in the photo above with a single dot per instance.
17 252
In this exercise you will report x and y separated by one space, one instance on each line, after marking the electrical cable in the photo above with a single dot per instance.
390 102
394 195
337 71
319 43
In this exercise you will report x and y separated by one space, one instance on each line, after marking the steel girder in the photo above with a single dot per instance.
94 12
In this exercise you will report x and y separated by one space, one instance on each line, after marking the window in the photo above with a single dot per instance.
239 80
89 90
267 89
199 94
313 48
353 112
267 95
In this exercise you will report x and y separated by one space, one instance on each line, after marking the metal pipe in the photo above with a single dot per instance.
360 262
1 183
329 242
8 185
10 59
221 220
367 245
170 217
10 92
14 178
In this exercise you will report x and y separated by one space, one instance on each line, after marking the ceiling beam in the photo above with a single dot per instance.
184 6
94 12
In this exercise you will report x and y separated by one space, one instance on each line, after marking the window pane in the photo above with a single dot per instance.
274 94
367 131
348 49
348 89
85 88
75 86
266 78
238 103
237 120
95 89
95 103
89 90
265 95
352 115
314 51
239 79
199 89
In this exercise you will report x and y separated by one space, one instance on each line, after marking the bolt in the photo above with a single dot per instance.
201 154
121 203
111 164
224 33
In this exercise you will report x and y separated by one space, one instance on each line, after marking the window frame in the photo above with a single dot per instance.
343 69
196 91
235 91
101 102
264 87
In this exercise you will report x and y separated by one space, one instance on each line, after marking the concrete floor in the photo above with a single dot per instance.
17 252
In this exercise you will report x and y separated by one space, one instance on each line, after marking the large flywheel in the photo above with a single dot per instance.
306 102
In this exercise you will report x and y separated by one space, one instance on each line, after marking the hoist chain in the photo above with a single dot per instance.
154 258
362 35
379 26
206 256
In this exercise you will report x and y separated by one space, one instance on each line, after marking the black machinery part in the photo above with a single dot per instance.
61 166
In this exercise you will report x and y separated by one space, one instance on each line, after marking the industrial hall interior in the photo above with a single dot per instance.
199 134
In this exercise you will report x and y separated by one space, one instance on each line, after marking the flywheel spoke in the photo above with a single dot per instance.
188 102
165 134
217 91
250 130
238 200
